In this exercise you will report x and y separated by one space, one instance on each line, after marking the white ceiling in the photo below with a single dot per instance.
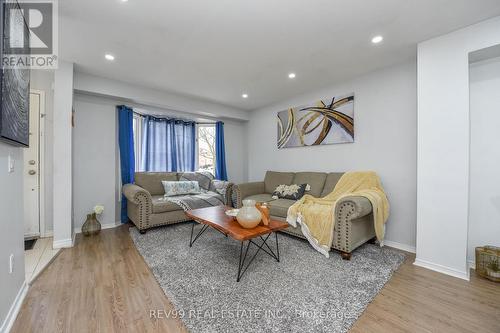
219 49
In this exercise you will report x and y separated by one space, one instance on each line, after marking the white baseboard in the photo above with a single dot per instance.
400 246
69 242
442 269
48 233
103 226
63 243
14 309
32 235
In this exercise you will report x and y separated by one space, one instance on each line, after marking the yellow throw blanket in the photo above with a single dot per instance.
317 215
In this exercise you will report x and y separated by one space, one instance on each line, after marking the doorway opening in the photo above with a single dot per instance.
38 244
484 156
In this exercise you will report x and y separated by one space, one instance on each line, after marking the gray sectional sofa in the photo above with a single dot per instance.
354 218
145 205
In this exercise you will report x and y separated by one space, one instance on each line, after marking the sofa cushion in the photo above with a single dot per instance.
331 180
161 205
280 207
273 179
151 181
260 197
315 179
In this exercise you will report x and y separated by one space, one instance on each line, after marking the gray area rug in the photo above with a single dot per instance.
304 292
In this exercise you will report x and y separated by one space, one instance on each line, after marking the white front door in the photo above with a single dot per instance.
31 169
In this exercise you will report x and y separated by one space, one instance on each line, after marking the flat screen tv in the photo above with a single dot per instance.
14 82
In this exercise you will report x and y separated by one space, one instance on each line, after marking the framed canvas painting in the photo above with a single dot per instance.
328 121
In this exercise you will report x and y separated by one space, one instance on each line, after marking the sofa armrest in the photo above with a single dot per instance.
140 206
362 206
353 223
136 194
246 189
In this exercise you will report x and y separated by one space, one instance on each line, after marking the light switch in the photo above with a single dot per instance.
11 164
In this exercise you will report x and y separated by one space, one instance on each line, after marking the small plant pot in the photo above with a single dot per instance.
91 226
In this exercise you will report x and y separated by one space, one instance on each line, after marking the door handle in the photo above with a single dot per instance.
32 162
32 172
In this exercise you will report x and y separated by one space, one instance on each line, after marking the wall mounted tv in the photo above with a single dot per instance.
14 82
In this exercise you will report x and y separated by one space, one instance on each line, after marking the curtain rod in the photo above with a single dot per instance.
196 122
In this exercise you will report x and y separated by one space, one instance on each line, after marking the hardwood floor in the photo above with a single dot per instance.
420 300
100 285
103 285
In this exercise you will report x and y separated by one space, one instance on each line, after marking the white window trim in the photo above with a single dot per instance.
196 147
138 143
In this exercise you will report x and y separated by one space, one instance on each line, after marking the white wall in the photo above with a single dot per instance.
95 160
44 80
96 165
235 139
484 209
385 141
62 172
11 229
443 146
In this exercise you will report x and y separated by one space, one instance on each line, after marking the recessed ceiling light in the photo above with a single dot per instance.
244 95
377 39
109 57
291 76
124 0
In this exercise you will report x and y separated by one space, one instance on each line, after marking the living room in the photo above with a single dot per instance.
229 166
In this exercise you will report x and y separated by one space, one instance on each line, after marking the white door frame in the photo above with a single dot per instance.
41 160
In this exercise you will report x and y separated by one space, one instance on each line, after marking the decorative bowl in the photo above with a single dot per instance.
232 212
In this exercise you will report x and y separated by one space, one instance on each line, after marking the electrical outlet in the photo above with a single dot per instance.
10 164
11 263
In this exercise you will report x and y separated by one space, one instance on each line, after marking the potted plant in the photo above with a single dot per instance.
92 226
493 269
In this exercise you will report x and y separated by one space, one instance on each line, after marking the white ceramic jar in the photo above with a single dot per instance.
249 216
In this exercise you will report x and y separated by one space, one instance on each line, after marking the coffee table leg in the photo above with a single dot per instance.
191 240
242 267
242 261
276 255
277 246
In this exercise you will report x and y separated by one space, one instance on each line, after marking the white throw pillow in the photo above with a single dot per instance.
183 187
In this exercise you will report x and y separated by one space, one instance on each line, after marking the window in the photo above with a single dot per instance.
206 147
155 161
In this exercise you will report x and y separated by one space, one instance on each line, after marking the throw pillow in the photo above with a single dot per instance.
291 192
220 186
173 188
203 178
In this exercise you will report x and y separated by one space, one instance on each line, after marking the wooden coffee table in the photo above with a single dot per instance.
216 218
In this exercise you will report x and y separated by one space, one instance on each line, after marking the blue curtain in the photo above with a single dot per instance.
220 152
168 144
127 157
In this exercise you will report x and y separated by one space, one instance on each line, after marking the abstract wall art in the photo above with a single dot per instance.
14 82
328 121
